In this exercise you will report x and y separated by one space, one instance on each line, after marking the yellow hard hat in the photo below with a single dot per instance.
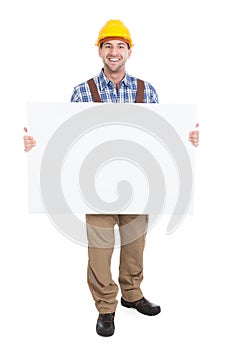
114 29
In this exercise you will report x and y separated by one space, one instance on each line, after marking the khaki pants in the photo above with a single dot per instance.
100 232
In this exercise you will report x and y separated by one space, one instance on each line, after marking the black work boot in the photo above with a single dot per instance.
105 324
143 306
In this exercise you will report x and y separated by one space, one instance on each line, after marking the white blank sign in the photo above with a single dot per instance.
117 125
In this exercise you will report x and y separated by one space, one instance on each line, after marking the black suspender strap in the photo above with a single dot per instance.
140 91
96 96
94 91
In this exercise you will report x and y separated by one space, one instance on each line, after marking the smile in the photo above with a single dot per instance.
114 59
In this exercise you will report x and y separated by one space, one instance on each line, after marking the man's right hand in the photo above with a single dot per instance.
29 142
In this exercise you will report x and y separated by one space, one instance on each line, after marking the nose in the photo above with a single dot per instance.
114 50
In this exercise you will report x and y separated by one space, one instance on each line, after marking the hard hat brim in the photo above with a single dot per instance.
108 38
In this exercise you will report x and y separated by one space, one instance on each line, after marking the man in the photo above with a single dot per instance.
115 85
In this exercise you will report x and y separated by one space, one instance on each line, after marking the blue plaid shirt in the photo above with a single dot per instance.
108 93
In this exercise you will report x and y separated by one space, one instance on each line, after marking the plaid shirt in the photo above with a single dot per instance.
107 91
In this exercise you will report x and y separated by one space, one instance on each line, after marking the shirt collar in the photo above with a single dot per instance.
104 81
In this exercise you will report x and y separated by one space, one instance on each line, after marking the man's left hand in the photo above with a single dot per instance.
194 137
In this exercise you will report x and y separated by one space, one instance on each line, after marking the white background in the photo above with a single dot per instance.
184 49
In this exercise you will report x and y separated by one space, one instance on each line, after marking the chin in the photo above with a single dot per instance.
114 69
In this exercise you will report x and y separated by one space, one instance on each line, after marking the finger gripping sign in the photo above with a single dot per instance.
110 159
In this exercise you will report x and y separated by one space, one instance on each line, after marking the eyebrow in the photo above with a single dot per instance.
121 43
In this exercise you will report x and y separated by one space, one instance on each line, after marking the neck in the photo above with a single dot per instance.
115 77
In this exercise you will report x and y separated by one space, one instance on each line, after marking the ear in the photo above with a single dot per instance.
129 53
100 52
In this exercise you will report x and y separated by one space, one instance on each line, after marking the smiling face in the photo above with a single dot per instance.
114 54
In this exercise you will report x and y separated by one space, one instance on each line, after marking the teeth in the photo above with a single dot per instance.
114 59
